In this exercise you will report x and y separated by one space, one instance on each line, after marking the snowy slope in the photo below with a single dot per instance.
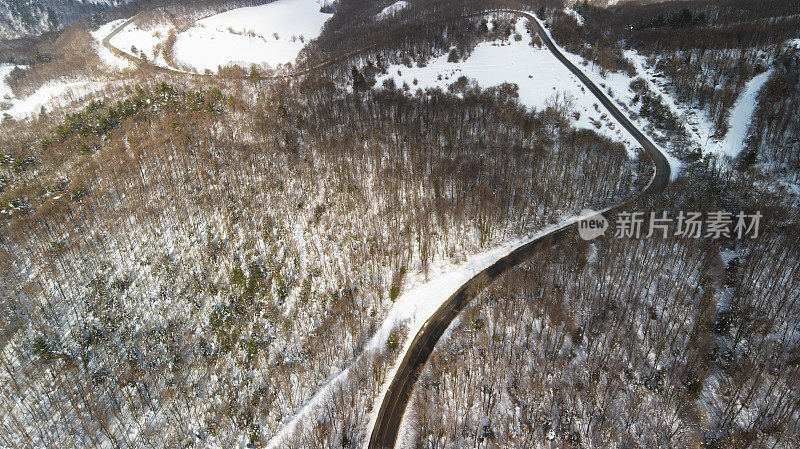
5 91
271 34
740 118
391 10
51 95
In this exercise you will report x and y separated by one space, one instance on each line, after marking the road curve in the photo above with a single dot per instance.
390 415
106 42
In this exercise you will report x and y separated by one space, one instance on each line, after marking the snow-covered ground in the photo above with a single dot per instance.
109 59
741 115
391 10
541 78
699 127
421 298
142 43
51 95
5 91
271 34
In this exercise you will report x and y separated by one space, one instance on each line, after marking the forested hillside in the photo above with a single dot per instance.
225 258
659 343
22 18
254 258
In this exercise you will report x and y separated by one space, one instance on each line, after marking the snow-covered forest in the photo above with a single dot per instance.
222 224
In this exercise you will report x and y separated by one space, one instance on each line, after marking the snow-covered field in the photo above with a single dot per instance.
142 43
269 34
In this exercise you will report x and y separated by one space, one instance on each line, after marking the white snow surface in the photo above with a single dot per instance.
741 115
246 36
5 90
53 94
391 10
109 59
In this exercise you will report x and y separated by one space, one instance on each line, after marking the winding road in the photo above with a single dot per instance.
106 42
394 404
390 416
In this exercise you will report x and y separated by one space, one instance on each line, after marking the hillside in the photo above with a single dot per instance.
21 18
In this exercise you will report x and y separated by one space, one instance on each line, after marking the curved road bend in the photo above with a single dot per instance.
107 43
390 416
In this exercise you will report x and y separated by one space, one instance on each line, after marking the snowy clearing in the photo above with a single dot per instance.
270 34
391 10
543 81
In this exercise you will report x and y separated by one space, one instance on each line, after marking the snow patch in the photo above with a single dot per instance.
50 95
575 15
5 90
391 10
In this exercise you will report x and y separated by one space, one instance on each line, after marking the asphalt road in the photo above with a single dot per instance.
393 407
